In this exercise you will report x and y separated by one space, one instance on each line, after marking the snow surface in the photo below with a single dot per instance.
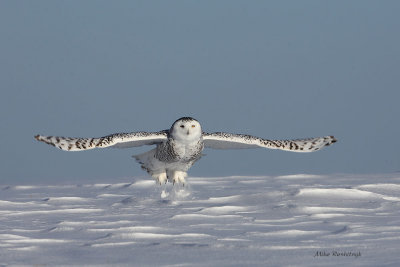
302 220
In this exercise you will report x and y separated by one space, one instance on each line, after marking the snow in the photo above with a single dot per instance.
302 220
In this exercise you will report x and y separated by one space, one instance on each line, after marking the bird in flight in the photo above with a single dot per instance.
178 148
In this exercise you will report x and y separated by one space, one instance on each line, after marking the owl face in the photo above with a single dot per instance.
186 129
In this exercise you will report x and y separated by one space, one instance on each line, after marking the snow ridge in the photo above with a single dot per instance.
285 220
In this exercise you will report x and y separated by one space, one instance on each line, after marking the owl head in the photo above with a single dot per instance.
186 129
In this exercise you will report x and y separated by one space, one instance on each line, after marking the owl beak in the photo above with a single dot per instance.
187 132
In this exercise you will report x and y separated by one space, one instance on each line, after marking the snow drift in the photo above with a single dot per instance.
302 220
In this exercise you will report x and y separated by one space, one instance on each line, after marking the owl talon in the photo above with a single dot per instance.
179 177
160 178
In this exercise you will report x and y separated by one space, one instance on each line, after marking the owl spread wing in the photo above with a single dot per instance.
119 140
222 140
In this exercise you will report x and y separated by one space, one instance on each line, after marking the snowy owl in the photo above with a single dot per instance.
178 148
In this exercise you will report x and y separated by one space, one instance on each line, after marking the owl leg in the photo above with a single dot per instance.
161 178
179 177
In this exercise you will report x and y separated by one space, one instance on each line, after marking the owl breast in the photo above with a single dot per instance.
173 151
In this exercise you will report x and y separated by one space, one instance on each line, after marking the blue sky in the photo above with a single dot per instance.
274 69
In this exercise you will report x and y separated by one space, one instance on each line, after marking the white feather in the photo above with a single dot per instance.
180 147
222 140
119 140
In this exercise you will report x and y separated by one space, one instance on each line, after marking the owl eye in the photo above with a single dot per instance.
182 126
193 126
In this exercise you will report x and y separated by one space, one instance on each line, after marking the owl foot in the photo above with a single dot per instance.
178 177
161 178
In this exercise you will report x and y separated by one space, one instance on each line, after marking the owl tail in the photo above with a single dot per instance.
144 160
150 163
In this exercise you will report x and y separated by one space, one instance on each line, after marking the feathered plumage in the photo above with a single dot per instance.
178 148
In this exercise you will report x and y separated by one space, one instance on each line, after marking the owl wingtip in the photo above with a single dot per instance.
332 141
